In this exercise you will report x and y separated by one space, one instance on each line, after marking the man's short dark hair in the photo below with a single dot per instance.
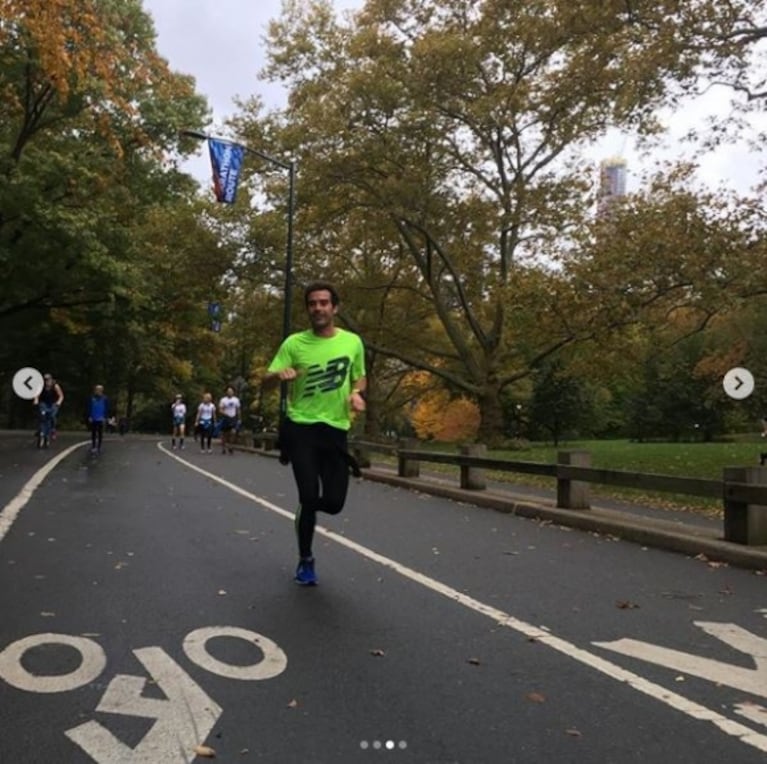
319 286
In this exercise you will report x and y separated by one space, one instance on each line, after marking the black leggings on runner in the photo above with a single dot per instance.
318 454
206 434
97 434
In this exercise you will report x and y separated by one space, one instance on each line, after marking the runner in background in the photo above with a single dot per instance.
229 408
178 413
205 421
98 413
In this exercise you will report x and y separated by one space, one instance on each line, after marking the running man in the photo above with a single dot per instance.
205 421
229 408
50 399
98 413
326 368
178 412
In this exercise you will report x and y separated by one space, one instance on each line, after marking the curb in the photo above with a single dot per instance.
661 534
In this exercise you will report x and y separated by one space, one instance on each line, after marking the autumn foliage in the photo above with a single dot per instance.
438 417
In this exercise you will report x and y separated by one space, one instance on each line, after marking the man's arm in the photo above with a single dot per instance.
59 393
356 397
273 378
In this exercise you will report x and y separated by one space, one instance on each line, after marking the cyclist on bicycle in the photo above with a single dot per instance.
49 401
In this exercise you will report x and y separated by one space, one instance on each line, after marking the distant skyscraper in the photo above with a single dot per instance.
612 183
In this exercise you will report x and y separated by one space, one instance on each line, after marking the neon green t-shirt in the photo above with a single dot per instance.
327 367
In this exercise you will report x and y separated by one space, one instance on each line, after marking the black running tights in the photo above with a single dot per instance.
318 453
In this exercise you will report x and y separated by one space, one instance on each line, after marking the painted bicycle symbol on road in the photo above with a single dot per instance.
183 719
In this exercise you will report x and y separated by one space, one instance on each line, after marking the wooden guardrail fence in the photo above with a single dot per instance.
742 490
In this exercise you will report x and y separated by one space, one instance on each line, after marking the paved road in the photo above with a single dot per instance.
148 608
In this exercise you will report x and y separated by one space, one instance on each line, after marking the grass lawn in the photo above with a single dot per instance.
704 460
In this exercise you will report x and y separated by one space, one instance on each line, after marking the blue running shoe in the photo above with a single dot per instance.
305 575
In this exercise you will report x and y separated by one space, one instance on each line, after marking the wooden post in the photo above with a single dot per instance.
573 494
745 523
473 478
408 468
361 456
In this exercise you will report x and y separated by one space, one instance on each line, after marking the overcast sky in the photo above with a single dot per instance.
220 43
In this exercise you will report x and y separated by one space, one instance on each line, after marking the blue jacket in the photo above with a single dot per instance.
98 408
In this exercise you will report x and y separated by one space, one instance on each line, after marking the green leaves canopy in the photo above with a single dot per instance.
447 139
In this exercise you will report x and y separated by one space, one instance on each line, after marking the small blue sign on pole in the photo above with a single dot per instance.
214 308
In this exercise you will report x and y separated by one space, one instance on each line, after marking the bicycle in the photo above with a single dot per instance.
45 426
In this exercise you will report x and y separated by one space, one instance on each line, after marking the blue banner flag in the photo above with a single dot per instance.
226 161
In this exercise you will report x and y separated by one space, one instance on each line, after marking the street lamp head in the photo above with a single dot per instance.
198 134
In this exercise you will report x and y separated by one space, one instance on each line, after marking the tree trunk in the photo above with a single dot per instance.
491 423
372 425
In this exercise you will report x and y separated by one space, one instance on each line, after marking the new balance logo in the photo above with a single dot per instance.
319 380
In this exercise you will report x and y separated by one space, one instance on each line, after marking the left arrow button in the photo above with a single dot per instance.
27 383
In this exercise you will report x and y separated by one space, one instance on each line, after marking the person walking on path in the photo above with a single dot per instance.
229 408
325 367
98 413
205 422
178 412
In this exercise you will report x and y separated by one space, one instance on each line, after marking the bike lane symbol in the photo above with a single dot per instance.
183 719
750 680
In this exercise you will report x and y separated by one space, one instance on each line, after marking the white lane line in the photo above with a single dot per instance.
11 510
655 691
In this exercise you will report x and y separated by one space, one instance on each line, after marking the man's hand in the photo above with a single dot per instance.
275 377
357 402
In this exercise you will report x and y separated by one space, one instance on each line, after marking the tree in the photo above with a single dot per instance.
98 233
559 403
457 127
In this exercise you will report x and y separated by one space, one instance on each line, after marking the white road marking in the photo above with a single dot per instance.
753 680
184 718
753 712
92 663
11 510
272 664
612 670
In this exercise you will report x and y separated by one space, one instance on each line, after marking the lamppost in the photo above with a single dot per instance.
288 287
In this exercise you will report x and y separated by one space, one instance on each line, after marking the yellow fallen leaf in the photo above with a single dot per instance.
536 697
293 703
206 751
